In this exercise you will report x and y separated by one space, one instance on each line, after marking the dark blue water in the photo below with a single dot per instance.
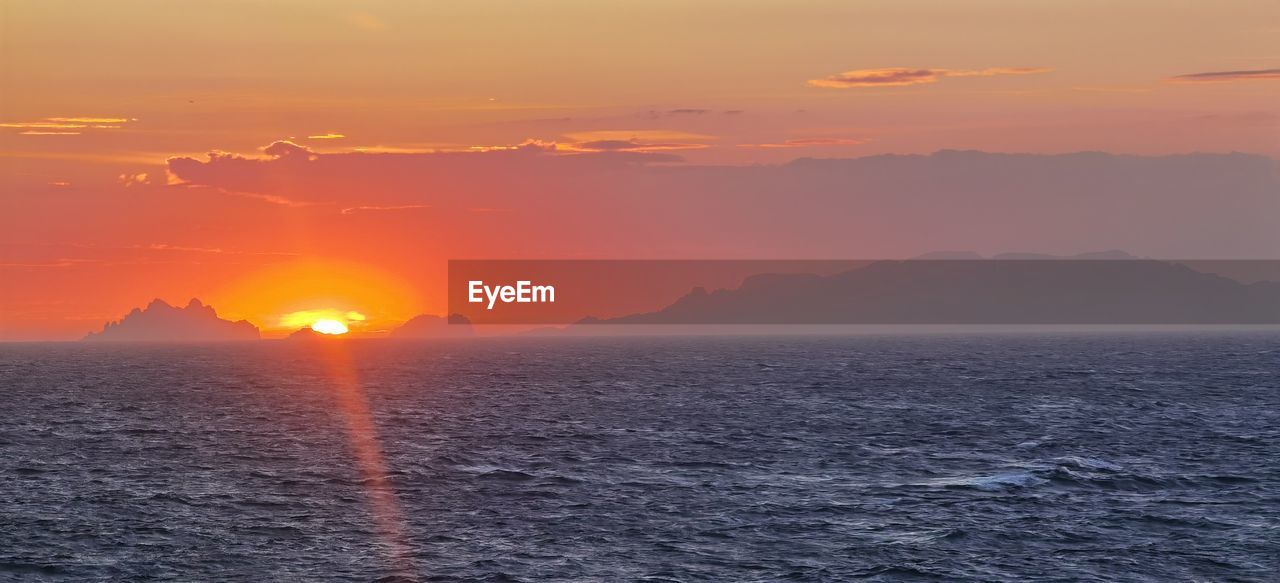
1121 457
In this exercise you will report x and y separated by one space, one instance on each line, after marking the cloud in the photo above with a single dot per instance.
613 203
899 76
808 142
327 136
43 125
66 126
134 179
1227 76
374 208
631 145
240 176
530 145
633 141
288 150
290 175
91 120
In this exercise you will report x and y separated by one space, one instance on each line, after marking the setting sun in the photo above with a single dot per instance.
329 327
283 298
305 318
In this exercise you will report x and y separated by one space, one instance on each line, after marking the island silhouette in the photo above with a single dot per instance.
161 322
309 335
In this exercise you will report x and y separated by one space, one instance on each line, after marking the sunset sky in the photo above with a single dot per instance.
281 157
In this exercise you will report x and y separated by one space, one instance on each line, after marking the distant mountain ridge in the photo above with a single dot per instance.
429 326
1095 255
985 291
161 322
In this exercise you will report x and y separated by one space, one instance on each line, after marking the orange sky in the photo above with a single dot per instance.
96 97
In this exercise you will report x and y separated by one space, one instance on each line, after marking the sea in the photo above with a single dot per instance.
1023 456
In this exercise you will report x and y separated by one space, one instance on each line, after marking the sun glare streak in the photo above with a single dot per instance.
384 508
